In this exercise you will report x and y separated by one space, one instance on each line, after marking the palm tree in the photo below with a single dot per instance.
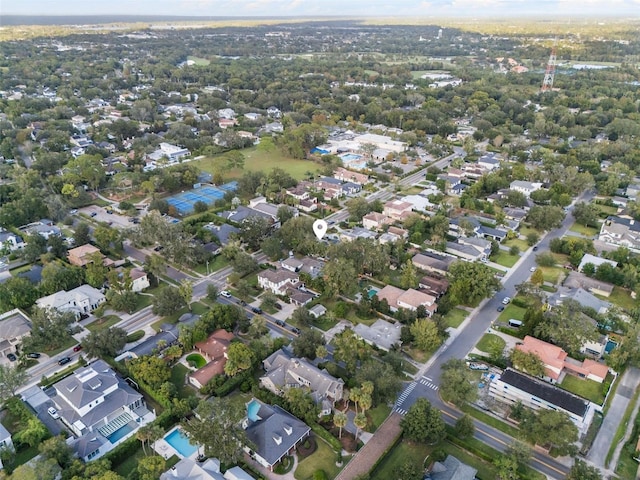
365 402
340 420
355 395
360 421
144 434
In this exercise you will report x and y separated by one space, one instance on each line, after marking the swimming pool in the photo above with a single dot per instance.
350 157
180 442
118 434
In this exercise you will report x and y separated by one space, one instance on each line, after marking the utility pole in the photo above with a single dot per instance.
549 74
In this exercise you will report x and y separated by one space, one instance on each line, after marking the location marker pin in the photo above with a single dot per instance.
320 228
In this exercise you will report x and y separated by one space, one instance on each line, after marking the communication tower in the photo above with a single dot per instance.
547 81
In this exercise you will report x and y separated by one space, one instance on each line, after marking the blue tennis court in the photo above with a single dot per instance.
184 202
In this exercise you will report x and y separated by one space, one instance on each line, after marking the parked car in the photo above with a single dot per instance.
33 355
243 303
501 308
77 348
53 412
73 212
257 310
158 248
11 357
533 269
295 330
506 300
93 214
478 366
225 294
535 248
64 360
277 306
280 323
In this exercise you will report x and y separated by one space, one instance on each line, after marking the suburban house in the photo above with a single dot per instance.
433 262
581 296
557 363
214 349
587 258
81 300
81 256
45 228
6 443
524 187
397 209
511 387
167 336
410 299
14 326
489 161
100 408
467 252
349 176
10 240
452 469
434 285
223 232
579 280
139 279
375 221
285 371
622 231
381 334
188 469
273 432
172 152
277 281
317 310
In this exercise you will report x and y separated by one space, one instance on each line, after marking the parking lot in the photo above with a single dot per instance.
114 219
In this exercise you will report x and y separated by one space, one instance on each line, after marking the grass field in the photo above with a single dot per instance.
202 62
377 416
455 317
582 230
403 452
102 323
485 343
584 388
324 458
178 374
516 242
512 311
552 274
621 298
257 160
505 259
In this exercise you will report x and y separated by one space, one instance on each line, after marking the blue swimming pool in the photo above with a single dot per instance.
118 434
180 442
349 157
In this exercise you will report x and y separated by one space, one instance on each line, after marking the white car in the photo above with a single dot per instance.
533 269
506 300
53 412
225 294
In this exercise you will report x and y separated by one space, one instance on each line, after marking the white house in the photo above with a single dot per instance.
140 279
524 187
171 152
81 300
277 281
595 261
100 408
5 440
10 240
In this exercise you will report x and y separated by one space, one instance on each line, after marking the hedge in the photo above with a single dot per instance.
123 451
326 436
135 336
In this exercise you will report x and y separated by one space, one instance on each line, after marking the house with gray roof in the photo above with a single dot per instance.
80 300
10 240
14 326
382 334
168 335
581 296
223 232
273 432
451 469
284 371
99 408
6 443
188 469
622 231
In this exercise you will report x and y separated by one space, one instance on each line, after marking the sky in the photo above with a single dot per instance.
296 8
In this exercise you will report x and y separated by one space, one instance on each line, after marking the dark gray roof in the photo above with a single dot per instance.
452 469
222 231
548 393
87 444
630 223
147 347
242 213
275 432
494 232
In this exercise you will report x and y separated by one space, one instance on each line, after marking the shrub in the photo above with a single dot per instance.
320 475
135 336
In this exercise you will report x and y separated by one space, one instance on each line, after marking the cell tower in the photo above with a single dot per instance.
547 81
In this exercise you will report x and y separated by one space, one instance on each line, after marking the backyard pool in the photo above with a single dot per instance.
118 434
180 442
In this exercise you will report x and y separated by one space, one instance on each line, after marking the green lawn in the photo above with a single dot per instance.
516 242
197 359
486 471
325 322
218 263
622 298
402 453
130 463
324 458
377 416
196 307
552 274
589 389
491 421
512 311
198 60
505 259
484 345
582 230
178 374
68 343
257 160
455 317
103 323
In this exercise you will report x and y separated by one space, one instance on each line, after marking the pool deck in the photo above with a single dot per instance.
162 447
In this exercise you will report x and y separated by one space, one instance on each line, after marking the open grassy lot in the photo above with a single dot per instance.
377 416
485 343
198 61
512 311
257 160
505 259
584 388
516 242
178 374
324 458
402 453
553 274
622 298
582 230
455 317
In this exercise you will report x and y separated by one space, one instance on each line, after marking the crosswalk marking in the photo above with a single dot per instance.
406 393
428 384
401 411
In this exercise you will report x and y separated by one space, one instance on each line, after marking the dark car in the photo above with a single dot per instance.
277 306
33 355
257 310
243 303
64 360
295 330
158 248
535 248
93 214
11 357
280 323
501 308
77 348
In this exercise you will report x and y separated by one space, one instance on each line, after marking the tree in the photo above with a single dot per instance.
11 379
253 230
550 427
82 234
425 334
150 468
423 423
340 420
471 282
544 217
301 404
95 271
38 469
212 292
409 275
567 327
340 277
532 238
585 213
33 432
306 344
57 449
17 292
520 452
464 427
150 369
582 471
537 278
155 265
239 358
185 289
258 327
168 301
148 434
360 421
506 468
302 317
527 362
217 426
350 349
108 342
457 382
49 329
